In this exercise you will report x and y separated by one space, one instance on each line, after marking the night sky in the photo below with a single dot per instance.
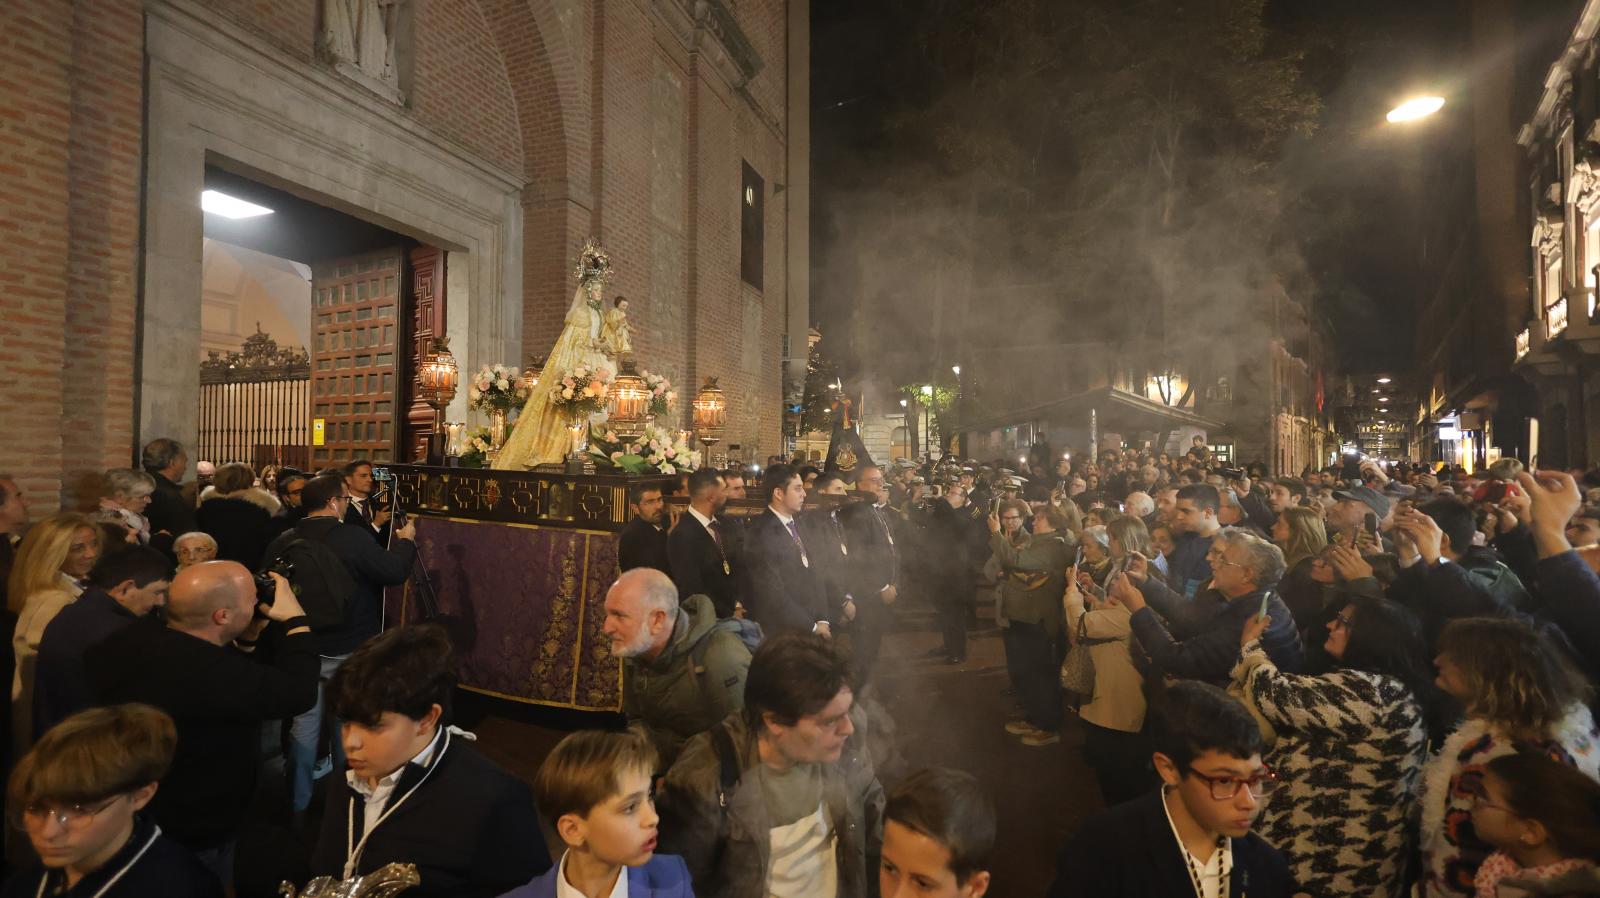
1373 210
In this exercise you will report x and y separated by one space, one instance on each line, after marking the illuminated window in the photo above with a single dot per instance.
1522 343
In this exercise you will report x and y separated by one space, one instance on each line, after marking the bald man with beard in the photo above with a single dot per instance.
210 668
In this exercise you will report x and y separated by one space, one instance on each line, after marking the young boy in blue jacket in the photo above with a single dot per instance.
594 789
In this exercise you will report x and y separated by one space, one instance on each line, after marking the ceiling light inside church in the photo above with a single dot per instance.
230 206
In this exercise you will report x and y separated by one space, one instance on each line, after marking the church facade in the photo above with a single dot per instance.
492 137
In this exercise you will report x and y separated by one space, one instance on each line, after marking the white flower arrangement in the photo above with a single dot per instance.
662 395
657 451
581 392
497 388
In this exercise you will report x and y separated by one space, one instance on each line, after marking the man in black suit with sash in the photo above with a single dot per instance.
643 543
872 565
783 590
700 553
1192 837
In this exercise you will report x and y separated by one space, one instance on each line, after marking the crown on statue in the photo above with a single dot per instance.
594 263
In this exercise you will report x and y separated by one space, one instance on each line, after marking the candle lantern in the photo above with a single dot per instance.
710 416
628 403
438 376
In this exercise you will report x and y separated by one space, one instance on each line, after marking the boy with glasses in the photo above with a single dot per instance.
78 795
1193 837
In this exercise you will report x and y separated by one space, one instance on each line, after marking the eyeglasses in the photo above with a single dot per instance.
1340 621
1010 517
74 817
1225 787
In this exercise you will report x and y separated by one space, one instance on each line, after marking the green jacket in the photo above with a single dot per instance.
1033 579
668 699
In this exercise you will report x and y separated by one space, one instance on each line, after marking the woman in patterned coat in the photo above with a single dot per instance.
1351 744
1521 693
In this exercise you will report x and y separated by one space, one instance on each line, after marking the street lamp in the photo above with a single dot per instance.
1415 108
1383 380
956 369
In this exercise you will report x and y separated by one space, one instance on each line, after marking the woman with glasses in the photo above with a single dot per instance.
123 498
1351 743
78 795
1519 692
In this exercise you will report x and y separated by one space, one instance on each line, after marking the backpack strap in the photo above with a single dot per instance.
728 758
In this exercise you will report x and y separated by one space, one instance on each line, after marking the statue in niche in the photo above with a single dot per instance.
361 35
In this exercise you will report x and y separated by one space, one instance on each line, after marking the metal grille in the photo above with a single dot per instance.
255 405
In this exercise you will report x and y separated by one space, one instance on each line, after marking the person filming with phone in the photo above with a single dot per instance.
339 572
1199 639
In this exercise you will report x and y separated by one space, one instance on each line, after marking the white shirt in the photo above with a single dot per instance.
1212 871
704 521
781 516
803 858
378 796
565 889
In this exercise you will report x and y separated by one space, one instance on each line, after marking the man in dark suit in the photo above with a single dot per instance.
1183 839
365 510
873 565
169 512
699 551
415 791
783 590
643 542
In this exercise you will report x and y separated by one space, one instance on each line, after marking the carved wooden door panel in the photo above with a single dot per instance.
356 360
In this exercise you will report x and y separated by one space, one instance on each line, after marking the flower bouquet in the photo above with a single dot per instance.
497 388
580 393
658 451
475 448
661 394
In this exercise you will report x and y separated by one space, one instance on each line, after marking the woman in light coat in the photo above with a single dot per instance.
1113 718
53 560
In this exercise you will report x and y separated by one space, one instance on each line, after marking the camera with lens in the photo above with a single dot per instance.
266 587
1233 473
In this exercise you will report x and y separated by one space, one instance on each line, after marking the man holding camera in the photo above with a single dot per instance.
365 510
205 670
340 573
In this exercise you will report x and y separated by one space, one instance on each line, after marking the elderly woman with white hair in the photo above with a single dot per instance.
124 495
194 547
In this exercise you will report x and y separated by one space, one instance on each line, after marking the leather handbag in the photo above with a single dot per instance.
1077 669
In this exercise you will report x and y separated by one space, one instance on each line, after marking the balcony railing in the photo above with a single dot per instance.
1522 343
1555 317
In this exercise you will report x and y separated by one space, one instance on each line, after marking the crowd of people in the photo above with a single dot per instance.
1367 680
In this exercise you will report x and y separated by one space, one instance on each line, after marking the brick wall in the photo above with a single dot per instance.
460 87
613 124
70 110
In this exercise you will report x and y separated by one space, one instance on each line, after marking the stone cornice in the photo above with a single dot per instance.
1558 80
199 31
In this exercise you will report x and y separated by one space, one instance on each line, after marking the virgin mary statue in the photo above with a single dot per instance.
541 435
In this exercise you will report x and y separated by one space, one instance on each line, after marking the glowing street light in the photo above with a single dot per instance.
1383 380
927 389
956 369
1415 108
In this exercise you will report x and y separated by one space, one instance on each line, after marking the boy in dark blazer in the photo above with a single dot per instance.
415 791
594 789
1195 831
